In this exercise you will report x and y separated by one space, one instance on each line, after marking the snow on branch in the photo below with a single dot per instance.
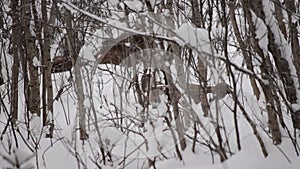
261 32
282 44
186 34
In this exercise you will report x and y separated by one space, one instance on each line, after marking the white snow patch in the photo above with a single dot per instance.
295 18
134 5
36 62
261 32
86 53
152 2
113 2
196 37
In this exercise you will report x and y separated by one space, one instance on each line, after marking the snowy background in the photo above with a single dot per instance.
114 121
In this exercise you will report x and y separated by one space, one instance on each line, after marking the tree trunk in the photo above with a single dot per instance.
47 82
293 35
197 19
74 49
172 88
30 48
15 67
266 68
243 46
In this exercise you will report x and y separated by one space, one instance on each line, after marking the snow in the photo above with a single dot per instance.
87 53
282 44
248 158
261 32
195 37
109 99
295 18
113 2
153 2
36 62
134 5
18 156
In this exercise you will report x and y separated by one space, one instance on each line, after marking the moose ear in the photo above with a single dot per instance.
220 90
61 64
